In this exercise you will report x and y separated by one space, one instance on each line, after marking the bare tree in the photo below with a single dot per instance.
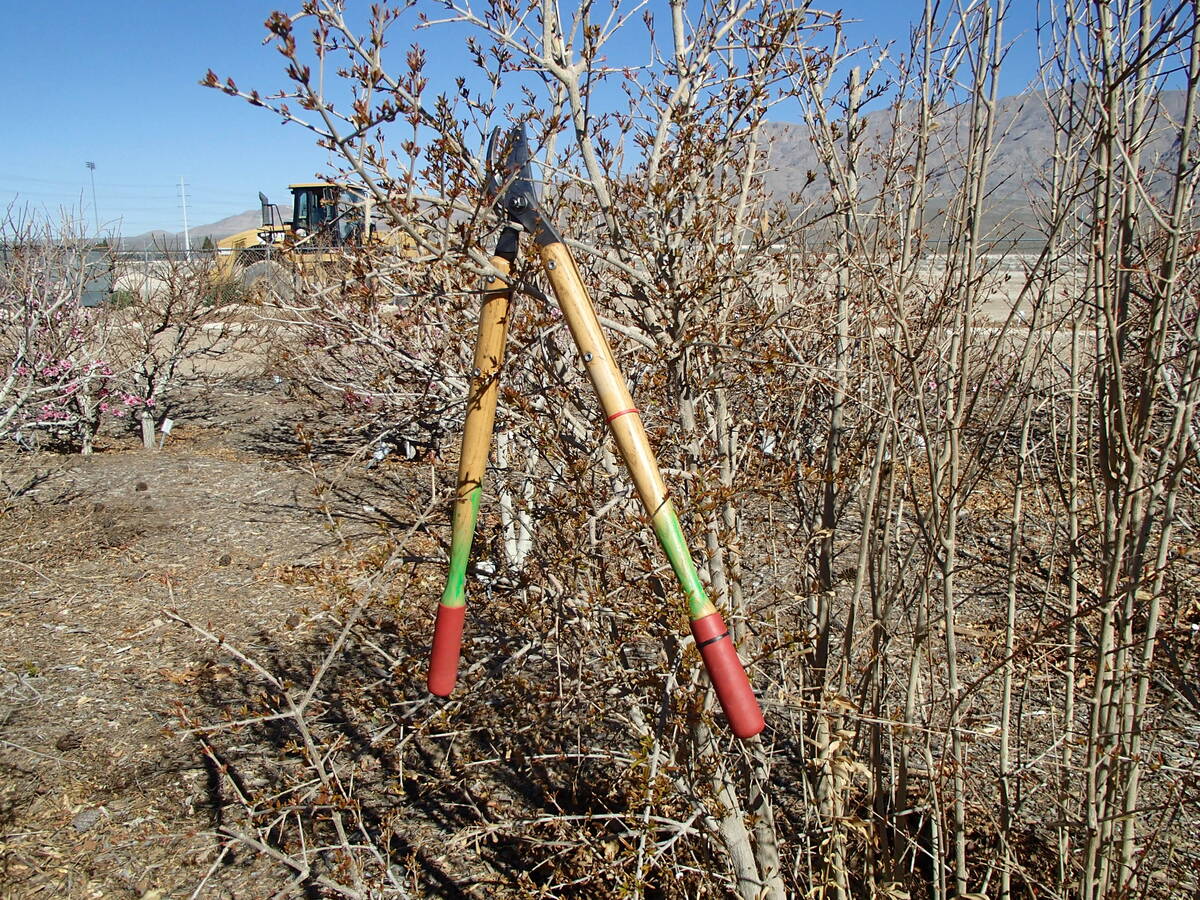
173 320
937 482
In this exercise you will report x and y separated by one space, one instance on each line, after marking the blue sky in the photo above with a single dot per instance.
117 84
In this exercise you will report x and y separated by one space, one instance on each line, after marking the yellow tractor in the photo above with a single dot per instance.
327 219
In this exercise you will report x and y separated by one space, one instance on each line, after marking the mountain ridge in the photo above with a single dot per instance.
160 239
1021 159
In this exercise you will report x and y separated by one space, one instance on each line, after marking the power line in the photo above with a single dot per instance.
165 199
135 185
131 192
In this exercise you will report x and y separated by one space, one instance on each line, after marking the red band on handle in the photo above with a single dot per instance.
447 643
618 415
727 676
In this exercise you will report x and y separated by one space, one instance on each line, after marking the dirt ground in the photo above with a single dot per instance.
252 527
102 793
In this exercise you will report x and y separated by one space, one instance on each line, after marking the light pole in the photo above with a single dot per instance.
95 209
187 240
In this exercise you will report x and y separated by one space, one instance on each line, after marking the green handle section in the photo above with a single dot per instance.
670 536
462 534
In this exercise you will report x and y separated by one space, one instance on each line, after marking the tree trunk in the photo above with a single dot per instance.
148 430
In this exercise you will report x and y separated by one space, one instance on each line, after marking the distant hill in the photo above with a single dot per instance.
174 240
1021 162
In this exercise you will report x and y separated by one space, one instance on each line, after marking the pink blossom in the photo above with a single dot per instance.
48 413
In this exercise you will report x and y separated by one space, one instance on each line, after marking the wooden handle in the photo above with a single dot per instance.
716 648
615 399
485 381
477 441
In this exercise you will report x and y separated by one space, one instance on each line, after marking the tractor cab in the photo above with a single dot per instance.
327 215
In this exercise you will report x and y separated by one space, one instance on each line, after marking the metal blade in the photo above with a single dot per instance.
489 161
520 200
518 161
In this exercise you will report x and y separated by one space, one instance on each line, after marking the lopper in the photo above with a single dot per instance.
511 182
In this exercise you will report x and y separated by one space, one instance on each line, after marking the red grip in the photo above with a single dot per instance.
447 643
727 676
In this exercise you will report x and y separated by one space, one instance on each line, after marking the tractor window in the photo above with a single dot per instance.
315 209
324 209
328 212
350 215
300 217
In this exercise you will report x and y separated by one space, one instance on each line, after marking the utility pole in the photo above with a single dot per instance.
187 241
95 209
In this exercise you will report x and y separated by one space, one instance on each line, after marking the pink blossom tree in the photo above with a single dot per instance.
53 370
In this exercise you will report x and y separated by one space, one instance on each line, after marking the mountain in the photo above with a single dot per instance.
174 240
1018 169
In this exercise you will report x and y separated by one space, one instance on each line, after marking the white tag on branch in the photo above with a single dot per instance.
167 425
